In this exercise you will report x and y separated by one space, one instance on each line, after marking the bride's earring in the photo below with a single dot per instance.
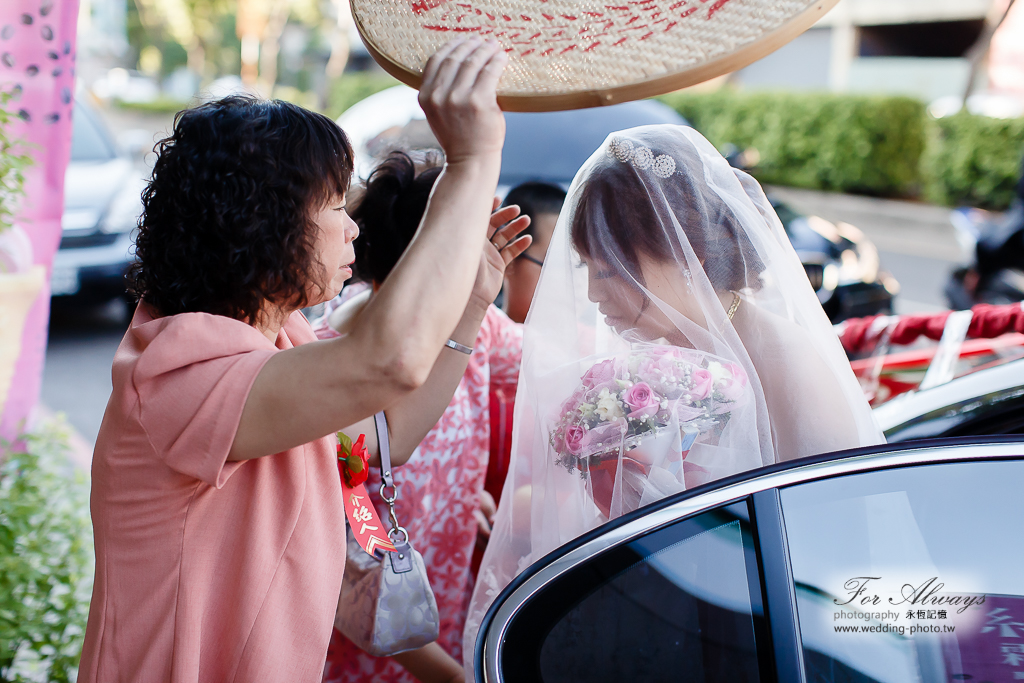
689 279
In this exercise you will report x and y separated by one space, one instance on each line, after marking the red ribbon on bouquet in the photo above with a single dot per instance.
354 466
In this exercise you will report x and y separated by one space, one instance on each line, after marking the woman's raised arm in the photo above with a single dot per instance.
305 393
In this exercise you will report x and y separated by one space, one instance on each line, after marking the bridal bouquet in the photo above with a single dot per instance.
623 400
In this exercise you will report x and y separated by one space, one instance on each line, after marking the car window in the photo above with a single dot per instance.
911 575
680 604
552 146
88 141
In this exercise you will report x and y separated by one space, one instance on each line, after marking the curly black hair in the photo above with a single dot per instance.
228 216
389 213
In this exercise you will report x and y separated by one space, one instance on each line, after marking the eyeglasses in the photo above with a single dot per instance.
531 259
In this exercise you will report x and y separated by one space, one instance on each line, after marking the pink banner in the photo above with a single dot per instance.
37 58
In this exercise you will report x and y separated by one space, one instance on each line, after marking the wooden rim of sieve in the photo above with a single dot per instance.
580 99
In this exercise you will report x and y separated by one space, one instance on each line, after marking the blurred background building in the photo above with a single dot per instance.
920 48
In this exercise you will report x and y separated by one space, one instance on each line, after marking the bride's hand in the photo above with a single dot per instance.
500 249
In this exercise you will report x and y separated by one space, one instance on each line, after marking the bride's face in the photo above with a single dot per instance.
620 304
626 307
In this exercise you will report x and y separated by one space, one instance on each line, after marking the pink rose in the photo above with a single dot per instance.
572 404
659 365
702 383
642 399
576 438
602 373
734 385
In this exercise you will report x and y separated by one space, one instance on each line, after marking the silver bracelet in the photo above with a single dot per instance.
451 344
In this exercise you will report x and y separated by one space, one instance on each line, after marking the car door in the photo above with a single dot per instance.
910 574
683 602
752 578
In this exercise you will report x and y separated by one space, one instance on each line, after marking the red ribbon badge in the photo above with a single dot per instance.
353 464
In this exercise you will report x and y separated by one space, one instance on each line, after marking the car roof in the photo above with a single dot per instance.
547 146
552 146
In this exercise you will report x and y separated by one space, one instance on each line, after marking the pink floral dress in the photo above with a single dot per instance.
439 489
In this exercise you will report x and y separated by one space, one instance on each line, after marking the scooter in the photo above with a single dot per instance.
996 275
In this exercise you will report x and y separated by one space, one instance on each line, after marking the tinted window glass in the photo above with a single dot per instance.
552 146
88 142
681 604
913 575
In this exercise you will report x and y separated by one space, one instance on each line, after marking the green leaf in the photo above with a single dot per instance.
354 463
345 443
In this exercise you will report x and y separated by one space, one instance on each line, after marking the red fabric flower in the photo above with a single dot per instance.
353 460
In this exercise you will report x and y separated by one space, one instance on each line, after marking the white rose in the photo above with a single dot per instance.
719 372
608 407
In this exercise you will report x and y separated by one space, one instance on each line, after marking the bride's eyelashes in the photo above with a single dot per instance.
604 274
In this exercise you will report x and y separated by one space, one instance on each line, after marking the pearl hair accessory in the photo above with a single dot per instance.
642 158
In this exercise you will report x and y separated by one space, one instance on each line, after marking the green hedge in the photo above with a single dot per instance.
885 146
821 141
973 160
161 105
45 558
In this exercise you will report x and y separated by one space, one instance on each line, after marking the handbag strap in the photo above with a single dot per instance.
380 422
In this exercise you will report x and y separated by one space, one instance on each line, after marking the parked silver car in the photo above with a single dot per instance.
102 204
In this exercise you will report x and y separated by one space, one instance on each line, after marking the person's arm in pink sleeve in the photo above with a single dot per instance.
411 417
321 326
322 330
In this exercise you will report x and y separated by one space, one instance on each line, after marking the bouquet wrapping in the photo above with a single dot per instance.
643 412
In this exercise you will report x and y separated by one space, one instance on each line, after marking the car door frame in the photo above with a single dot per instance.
761 486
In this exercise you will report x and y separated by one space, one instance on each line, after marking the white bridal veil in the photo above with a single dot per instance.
674 339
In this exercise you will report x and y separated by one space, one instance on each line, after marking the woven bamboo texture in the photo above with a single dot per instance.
568 54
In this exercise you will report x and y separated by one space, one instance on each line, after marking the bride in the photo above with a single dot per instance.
674 339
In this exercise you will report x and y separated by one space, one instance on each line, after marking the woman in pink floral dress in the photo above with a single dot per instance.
440 485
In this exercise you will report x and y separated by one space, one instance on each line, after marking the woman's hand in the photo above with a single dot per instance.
458 97
500 249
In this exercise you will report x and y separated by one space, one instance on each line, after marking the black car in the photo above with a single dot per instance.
841 263
892 564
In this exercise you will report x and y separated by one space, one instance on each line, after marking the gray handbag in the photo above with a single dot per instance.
386 605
